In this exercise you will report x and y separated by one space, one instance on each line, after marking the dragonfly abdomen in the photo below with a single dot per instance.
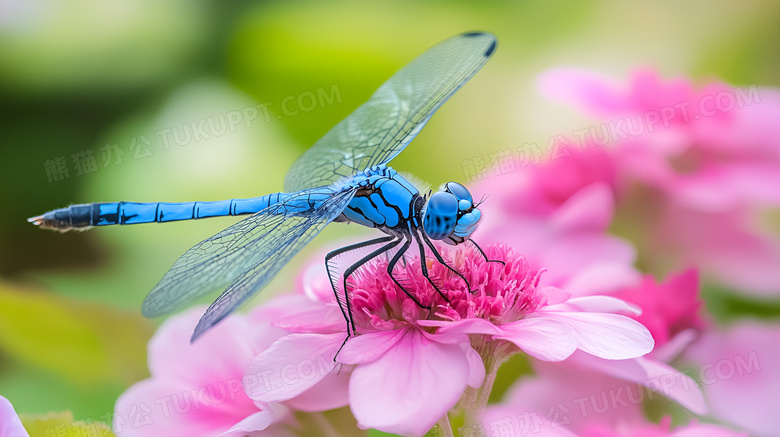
83 216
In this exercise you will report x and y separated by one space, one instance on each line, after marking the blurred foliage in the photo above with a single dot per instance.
85 342
726 306
87 352
375 433
63 425
510 371
79 75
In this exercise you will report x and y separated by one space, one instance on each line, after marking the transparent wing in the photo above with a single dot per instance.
383 126
262 244
280 245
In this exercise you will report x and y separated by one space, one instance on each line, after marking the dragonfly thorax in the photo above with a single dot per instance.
387 201
384 200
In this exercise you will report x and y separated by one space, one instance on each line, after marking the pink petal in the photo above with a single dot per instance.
554 294
256 422
646 163
476 367
667 307
314 282
410 387
10 425
721 187
330 393
520 421
589 209
576 396
313 317
743 258
597 304
168 408
591 92
739 372
463 326
654 375
706 430
609 336
366 348
277 307
225 345
668 351
602 278
569 254
541 337
292 365
195 389
753 130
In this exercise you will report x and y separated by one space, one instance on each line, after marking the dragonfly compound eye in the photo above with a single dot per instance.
441 215
459 191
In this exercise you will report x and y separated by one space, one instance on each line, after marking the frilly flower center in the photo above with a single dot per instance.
497 291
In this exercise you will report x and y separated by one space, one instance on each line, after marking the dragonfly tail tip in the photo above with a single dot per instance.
37 220
195 336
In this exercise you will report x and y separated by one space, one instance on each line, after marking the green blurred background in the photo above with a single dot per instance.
86 75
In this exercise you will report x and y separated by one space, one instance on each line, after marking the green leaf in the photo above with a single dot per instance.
83 342
375 433
510 371
62 425
730 305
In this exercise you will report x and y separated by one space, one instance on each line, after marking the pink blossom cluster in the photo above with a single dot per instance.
592 275
686 186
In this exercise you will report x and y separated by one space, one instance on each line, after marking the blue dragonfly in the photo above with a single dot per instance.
344 177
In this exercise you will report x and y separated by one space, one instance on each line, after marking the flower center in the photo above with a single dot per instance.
501 290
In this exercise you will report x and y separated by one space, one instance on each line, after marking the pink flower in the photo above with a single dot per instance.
727 246
563 223
411 365
10 425
539 190
570 394
710 138
710 157
668 308
664 429
499 421
587 390
577 397
738 369
565 232
198 389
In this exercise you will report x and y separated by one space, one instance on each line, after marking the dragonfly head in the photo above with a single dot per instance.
451 215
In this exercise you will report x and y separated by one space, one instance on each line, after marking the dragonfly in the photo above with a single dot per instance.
343 177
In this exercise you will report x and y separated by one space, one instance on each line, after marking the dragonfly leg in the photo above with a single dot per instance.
483 253
342 344
351 269
444 263
424 269
391 266
329 257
